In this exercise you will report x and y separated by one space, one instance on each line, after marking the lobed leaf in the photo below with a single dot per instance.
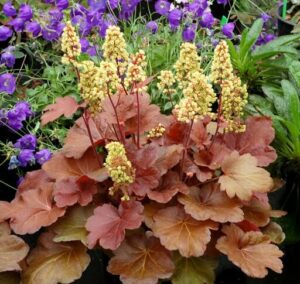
141 259
241 176
12 250
107 225
52 263
251 251
179 231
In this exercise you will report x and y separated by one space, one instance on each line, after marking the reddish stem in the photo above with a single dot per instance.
86 121
116 114
138 122
218 123
187 140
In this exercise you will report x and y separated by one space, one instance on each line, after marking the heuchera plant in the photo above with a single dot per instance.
163 195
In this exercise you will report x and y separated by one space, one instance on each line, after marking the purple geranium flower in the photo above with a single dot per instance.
162 7
207 19
112 4
24 109
5 33
265 17
7 57
85 44
52 32
43 156
99 5
18 24
189 33
9 10
224 2
152 26
34 28
7 83
175 18
26 158
25 12
62 4
28 141
56 16
227 30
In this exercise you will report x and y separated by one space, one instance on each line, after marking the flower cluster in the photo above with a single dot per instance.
15 117
234 93
221 68
97 82
187 63
25 153
166 82
136 70
70 44
114 49
157 131
119 167
198 98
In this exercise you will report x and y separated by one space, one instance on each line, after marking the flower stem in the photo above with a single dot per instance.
187 140
116 114
138 122
218 123
86 121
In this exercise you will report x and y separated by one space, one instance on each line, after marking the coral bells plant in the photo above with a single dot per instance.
163 195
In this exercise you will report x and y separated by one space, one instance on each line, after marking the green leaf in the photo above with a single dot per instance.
262 106
251 37
294 72
292 99
276 45
18 54
194 270
71 227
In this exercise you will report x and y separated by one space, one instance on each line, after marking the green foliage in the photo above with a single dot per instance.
266 63
283 105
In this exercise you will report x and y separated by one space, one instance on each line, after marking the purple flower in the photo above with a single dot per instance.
174 18
112 4
55 16
224 2
152 26
13 163
189 33
34 28
52 32
7 83
28 141
5 33
24 109
265 17
25 12
18 24
18 114
162 7
269 37
8 58
214 41
26 158
197 7
207 19
43 156
92 51
85 44
9 10
99 5
227 30
62 4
